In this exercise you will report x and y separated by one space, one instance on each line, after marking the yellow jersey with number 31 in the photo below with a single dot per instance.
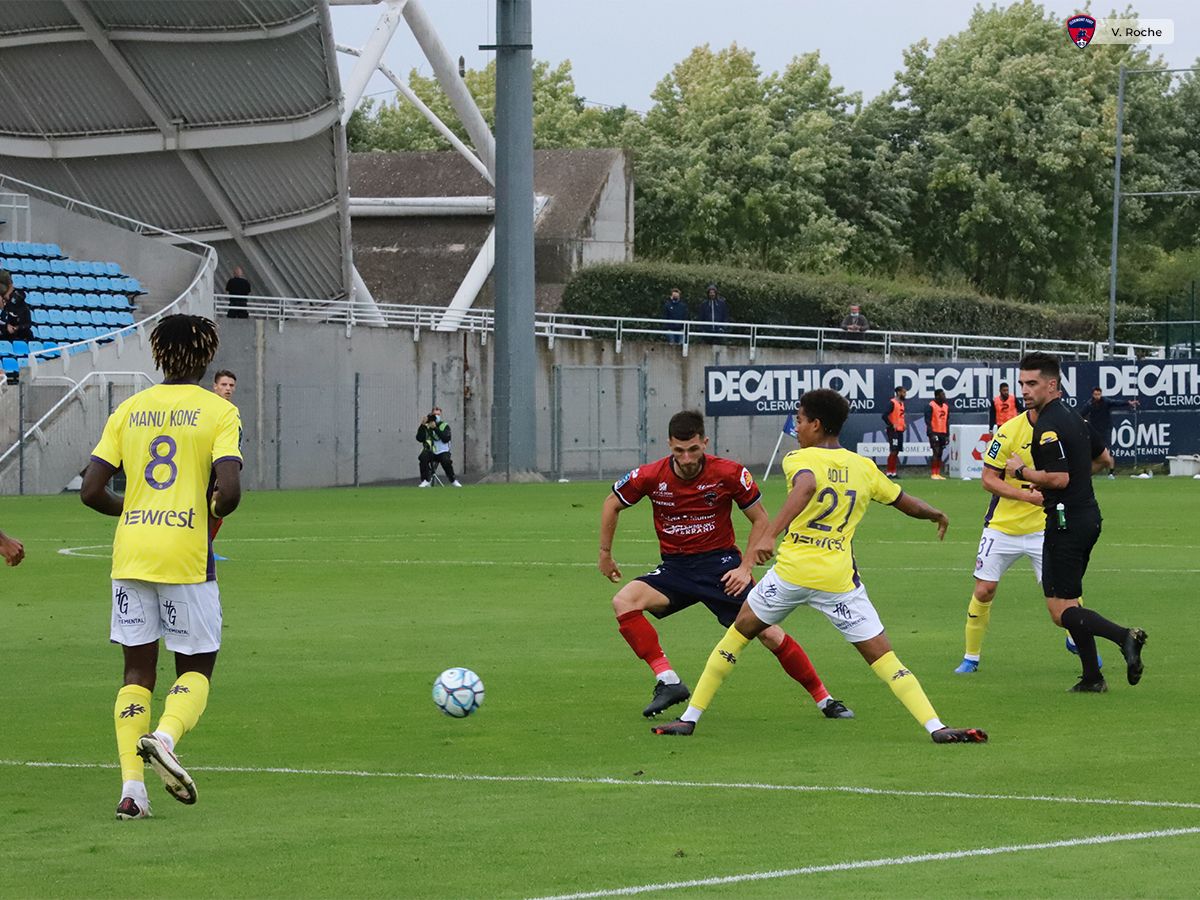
167 438
1015 517
817 549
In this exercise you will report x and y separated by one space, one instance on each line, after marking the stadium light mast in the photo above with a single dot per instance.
514 411
1118 196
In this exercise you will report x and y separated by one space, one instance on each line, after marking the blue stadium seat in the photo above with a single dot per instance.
20 348
97 317
35 346
39 316
58 282
67 317
8 248
111 269
59 333
41 332
121 302
54 317
9 365
110 319
56 267
41 266
125 318
20 281
74 334
6 348
54 251
103 283
51 346
70 267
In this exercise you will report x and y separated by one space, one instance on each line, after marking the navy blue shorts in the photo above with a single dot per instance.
696 578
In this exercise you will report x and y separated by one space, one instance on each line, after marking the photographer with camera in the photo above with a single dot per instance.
434 436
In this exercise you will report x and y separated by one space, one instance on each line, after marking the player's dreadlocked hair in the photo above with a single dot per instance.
183 345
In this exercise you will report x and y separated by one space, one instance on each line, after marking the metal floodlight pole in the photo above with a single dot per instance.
514 413
1116 217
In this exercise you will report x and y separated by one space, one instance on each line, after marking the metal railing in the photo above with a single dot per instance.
208 261
561 326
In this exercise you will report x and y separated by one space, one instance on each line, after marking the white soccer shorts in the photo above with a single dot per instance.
187 616
998 551
851 613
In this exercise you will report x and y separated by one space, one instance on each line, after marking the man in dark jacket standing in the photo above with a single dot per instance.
714 311
675 313
1098 414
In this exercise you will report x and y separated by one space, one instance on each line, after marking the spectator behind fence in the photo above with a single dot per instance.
675 313
856 322
239 287
16 319
714 312
434 435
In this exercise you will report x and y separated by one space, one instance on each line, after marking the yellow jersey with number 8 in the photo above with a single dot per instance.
167 438
817 548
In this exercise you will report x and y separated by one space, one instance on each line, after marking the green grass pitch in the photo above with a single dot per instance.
324 768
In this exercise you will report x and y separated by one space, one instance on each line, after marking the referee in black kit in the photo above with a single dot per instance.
1066 452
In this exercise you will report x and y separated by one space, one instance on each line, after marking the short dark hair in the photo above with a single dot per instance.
826 406
685 424
223 373
1097 388
900 388
183 346
939 393
1045 363
1004 384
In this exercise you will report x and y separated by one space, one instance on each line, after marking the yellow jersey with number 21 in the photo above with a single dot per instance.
816 551
167 438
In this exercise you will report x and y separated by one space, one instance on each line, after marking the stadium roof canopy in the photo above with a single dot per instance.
219 120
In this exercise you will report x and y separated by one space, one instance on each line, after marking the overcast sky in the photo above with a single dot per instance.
620 49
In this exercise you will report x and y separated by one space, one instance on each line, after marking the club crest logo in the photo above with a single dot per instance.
1081 30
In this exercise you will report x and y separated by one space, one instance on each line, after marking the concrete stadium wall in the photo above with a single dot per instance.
296 391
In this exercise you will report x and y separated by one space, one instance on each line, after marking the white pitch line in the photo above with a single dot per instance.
885 862
641 782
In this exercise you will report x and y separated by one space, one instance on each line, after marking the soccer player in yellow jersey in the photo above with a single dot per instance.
829 489
1013 527
172 440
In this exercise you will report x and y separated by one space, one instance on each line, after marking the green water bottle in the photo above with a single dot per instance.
1060 514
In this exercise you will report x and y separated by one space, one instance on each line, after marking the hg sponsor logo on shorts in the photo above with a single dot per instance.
172 518
121 601
170 619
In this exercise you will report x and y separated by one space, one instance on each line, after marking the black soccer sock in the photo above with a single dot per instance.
1101 627
1085 642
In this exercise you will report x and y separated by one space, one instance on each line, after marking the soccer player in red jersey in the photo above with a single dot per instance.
692 494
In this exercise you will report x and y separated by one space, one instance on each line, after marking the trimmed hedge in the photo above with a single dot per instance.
638 290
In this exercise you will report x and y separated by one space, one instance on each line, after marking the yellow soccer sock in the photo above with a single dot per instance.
978 615
907 689
132 717
185 702
720 663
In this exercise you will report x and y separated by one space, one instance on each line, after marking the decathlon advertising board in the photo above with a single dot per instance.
1167 421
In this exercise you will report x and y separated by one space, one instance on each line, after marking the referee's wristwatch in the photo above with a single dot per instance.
1020 473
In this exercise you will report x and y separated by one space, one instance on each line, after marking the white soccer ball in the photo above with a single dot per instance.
458 692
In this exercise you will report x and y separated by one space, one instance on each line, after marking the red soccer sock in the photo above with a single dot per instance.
893 458
643 640
797 664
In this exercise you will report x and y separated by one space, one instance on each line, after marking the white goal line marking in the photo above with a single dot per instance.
885 862
640 782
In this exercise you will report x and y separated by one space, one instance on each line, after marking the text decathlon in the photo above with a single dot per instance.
172 518
1151 380
784 385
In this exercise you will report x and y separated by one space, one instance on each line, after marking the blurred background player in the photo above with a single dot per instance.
692 495
170 439
1065 451
11 549
829 489
937 426
1003 407
224 386
1098 414
894 424
434 435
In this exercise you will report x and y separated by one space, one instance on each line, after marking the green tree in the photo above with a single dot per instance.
732 166
561 118
1005 133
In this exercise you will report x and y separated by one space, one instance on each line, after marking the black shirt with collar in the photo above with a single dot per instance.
1063 442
